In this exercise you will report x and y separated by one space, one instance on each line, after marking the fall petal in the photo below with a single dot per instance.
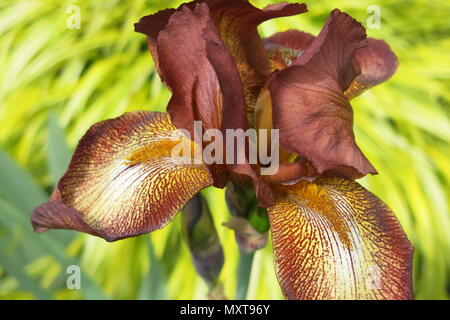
335 240
377 62
309 107
123 180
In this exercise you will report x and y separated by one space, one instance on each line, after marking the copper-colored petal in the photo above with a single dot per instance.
186 69
236 22
292 39
287 45
211 57
123 179
193 61
151 26
335 240
204 79
56 215
377 62
309 106
292 171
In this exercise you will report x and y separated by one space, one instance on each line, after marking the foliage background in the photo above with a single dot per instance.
55 82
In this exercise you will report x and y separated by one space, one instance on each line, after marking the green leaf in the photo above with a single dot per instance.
153 285
17 186
15 269
12 218
58 150
243 273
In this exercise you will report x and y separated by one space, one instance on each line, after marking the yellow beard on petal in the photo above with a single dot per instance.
320 201
355 89
164 149
157 149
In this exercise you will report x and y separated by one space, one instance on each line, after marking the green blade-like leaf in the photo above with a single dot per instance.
58 151
12 218
15 269
17 186
153 286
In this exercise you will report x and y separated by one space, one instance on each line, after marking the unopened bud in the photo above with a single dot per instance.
249 222
202 238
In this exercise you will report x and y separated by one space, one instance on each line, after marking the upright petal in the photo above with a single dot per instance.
335 240
291 39
204 79
287 45
211 57
151 26
186 69
236 22
124 179
309 107
377 62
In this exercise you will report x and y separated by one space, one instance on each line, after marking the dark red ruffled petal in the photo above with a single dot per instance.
236 22
309 107
292 39
377 62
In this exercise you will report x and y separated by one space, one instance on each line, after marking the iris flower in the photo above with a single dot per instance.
332 239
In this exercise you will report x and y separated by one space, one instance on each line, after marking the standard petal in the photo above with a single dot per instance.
335 240
309 107
236 22
186 69
377 62
151 26
292 39
284 47
195 64
204 79
125 179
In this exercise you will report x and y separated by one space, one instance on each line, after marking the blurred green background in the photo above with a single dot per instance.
55 82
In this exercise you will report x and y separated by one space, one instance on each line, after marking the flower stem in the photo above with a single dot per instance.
244 270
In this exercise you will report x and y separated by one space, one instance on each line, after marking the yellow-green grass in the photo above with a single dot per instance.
55 82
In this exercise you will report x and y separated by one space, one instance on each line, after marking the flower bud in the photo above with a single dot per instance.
201 236
249 222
